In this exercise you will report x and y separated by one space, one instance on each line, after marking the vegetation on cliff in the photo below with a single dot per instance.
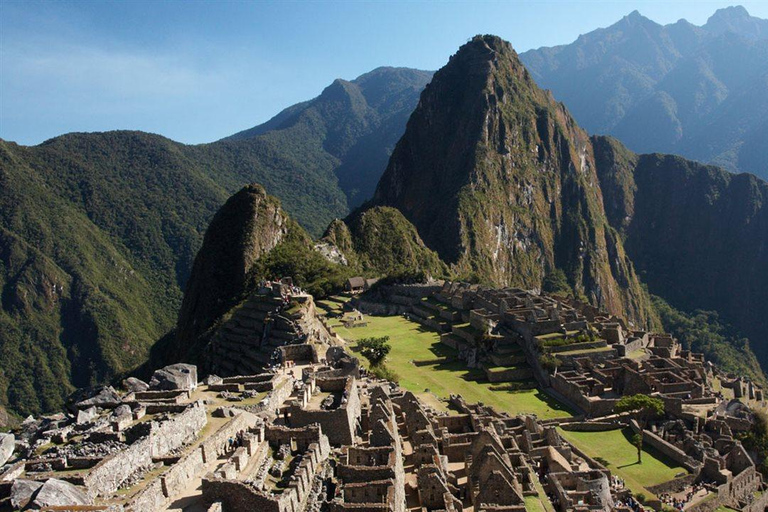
499 180
702 331
250 239
694 232
382 242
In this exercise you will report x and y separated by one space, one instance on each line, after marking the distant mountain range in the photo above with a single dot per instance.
701 92
98 232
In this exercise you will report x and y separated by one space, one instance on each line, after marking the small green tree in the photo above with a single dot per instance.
375 349
549 362
642 408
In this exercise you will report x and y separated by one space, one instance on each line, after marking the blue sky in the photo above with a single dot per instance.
197 71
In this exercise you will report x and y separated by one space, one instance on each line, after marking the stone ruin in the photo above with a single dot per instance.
302 430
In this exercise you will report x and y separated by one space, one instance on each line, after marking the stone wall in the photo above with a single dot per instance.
150 498
591 426
338 424
592 408
106 477
216 444
178 477
669 450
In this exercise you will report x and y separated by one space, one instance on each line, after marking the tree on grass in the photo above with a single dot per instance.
642 408
375 350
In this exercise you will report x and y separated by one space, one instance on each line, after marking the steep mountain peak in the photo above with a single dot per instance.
731 13
635 19
248 226
499 180
483 55
738 20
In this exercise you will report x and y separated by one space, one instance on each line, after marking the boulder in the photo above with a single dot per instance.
7 445
58 493
86 415
224 412
123 410
105 397
135 385
212 379
175 376
22 492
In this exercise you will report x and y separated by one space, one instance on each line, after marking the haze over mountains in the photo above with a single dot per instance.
701 92
99 231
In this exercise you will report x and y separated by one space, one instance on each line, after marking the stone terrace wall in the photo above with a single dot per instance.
216 444
668 449
106 477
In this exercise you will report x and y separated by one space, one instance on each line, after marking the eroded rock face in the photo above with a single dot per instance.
7 444
175 376
498 178
58 493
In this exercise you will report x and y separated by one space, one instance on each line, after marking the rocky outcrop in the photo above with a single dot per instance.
248 226
7 445
499 180
58 493
175 376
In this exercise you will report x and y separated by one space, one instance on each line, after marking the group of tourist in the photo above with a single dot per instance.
616 482
680 503
632 504
233 443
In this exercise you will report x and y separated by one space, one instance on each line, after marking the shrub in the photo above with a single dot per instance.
375 349
381 371
549 362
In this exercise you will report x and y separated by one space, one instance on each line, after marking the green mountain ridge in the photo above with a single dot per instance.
115 219
682 223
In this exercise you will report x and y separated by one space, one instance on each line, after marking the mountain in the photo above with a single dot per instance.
499 180
352 124
78 307
98 231
697 234
379 241
696 91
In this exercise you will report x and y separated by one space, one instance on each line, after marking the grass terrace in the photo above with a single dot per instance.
438 370
615 450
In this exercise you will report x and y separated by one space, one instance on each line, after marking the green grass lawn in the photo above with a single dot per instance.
411 342
615 448
533 504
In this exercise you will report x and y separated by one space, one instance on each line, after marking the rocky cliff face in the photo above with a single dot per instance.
248 226
501 182
697 234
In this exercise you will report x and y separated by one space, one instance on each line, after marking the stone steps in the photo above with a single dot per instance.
508 360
